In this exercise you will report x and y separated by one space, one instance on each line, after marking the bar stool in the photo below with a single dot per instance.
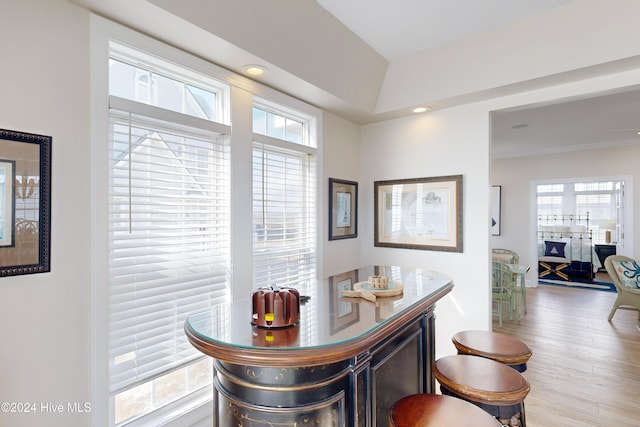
493 386
436 410
493 345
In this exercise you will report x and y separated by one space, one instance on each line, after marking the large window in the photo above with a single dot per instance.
284 219
163 159
602 199
550 199
169 228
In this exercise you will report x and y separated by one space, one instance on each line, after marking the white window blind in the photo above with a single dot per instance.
168 240
283 216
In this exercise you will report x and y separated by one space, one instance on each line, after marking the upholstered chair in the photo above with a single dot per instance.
625 274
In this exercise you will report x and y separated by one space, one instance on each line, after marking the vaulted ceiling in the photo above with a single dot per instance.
404 28
372 60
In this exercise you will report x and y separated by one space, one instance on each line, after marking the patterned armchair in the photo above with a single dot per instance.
625 274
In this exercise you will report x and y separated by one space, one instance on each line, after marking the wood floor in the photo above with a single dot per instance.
585 371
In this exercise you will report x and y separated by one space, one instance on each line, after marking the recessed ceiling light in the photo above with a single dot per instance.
254 70
421 109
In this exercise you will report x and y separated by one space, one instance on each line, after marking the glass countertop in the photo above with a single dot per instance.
327 318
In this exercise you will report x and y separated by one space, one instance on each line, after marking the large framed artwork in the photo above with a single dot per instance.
25 203
343 209
419 213
496 202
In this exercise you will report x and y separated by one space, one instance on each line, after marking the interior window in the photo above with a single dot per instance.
602 199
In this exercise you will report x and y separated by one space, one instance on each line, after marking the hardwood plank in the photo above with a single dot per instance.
584 371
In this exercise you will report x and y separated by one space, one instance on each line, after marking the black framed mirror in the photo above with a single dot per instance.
25 203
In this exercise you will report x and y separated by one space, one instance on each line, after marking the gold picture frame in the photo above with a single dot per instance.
419 213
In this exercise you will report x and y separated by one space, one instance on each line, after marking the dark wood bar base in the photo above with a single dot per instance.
345 363
347 392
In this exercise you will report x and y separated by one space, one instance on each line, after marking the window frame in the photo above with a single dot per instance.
307 147
238 101
569 196
196 406
179 124
131 56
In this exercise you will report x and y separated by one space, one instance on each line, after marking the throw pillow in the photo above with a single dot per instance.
554 248
628 272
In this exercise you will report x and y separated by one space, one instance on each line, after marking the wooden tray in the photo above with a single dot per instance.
365 291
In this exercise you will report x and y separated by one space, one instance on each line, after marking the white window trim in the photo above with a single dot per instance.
102 31
306 147
308 116
122 104
280 143
126 54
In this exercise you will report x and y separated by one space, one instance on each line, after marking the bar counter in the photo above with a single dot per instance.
344 363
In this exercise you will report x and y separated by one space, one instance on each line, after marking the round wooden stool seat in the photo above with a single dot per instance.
493 345
493 386
436 410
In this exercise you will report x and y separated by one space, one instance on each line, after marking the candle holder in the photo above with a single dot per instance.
275 307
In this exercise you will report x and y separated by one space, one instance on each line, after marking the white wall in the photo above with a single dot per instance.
341 159
429 145
44 318
516 174
457 140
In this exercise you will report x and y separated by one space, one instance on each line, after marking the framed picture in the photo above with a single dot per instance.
343 209
419 213
25 203
496 201
344 313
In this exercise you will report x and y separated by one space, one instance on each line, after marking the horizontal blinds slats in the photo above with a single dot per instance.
154 288
283 216
169 241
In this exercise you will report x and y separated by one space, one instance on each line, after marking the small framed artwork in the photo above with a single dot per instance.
419 213
343 209
496 201
25 203
344 313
